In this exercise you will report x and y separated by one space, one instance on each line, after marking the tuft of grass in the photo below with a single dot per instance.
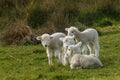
16 33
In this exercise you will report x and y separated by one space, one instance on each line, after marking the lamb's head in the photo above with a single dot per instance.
76 48
71 31
68 40
45 39
68 53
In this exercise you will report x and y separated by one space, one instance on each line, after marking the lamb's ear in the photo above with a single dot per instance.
79 43
66 29
38 38
61 39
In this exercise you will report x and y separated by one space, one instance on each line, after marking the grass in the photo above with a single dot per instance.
30 62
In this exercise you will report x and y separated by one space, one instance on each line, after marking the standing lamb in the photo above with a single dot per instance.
67 40
52 44
78 61
88 37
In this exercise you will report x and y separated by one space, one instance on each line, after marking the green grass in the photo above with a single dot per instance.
30 63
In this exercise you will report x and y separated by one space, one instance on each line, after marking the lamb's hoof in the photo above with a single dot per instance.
72 67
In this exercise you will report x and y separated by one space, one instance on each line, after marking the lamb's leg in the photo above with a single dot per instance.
49 55
62 55
91 48
84 49
65 62
72 66
57 55
97 48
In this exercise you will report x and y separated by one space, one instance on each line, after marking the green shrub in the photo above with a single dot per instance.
15 33
37 17
59 13
105 22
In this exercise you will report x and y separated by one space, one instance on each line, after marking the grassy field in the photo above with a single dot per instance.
30 62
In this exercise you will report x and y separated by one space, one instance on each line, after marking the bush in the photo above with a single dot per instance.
37 17
38 13
59 13
105 22
15 33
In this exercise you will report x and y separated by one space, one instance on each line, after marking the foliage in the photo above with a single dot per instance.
36 15
105 22
59 14
15 33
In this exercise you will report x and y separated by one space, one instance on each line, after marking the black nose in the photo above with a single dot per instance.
45 45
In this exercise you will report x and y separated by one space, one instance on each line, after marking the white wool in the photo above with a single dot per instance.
79 61
67 41
88 37
52 44
78 48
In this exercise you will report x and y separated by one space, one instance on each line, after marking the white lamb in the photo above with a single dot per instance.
78 61
70 41
88 37
52 44
78 48
67 41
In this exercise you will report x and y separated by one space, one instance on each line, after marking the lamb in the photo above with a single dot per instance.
78 48
52 44
70 41
88 37
67 40
78 61
73 49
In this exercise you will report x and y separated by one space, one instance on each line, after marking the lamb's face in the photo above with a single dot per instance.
68 40
76 48
68 52
71 31
45 39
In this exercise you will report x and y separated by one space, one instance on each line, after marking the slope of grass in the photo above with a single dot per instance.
30 63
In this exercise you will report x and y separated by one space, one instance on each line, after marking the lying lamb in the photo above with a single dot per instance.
78 61
88 37
52 44
70 41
